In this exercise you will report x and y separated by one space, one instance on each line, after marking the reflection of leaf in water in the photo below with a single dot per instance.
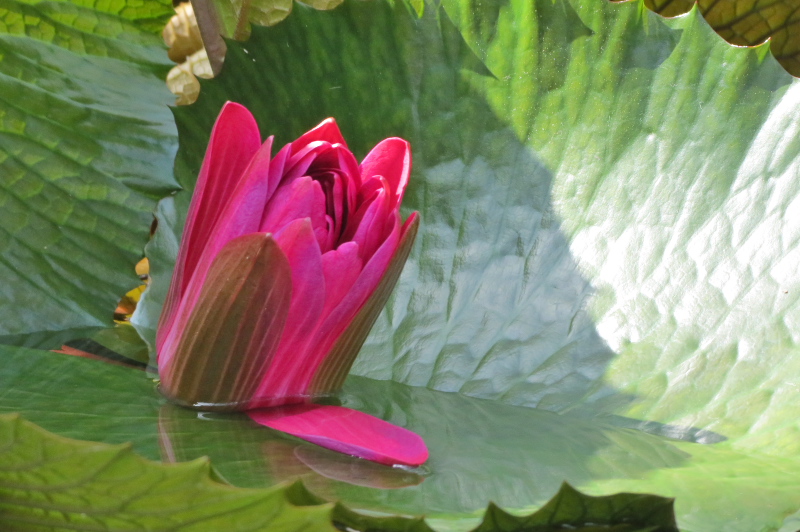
573 510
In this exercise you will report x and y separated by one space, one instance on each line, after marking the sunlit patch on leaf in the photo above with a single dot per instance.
181 33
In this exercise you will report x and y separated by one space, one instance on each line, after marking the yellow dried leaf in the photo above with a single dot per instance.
181 33
182 79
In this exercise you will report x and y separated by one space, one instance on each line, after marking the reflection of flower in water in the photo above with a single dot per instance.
337 466
236 445
316 467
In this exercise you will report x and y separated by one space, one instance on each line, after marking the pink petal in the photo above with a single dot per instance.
338 318
368 227
346 431
300 246
243 213
241 216
277 168
341 160
341 268
339 355
391 158
234 140
332 184
299 161
327 130
300 198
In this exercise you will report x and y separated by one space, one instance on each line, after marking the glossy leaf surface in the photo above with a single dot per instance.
86 147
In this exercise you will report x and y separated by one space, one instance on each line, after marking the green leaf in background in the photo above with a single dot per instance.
86 147
219 19
236 16
642 513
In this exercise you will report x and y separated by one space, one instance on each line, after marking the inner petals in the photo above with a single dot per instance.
368 226
301 198
335 207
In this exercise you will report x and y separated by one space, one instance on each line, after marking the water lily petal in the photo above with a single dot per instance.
341 355
234 140
327 130
300 198
346 431
298 242
277 169
391 158
335 322
341 268
300 161
228 338
240 217
370 224
342 162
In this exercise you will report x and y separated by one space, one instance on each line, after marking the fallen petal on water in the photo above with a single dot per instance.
346 431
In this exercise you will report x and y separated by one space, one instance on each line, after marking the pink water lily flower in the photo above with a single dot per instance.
284 265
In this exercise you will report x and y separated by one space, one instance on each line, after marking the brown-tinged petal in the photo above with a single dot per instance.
228 338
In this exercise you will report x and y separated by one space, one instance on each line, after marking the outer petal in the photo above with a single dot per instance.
298 242
327 130
342 354
347 431
227 340
234 140
391 158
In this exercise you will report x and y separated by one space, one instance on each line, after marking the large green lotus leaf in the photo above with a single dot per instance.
86 148
51 483
480 450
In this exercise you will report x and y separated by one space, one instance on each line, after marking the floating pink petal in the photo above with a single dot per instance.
346 431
